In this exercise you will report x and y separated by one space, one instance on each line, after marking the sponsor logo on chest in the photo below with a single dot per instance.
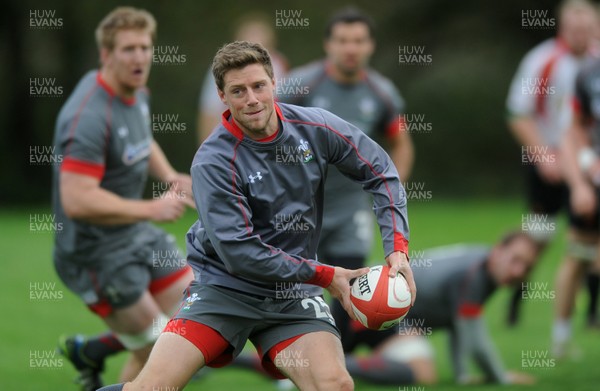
134 152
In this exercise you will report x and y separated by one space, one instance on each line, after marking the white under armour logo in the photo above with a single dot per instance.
253 178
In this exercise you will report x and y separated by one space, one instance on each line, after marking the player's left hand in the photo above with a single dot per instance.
398 263
182 185
340 286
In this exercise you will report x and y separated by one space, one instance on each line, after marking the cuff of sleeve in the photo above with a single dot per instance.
400 243
469 310
396 127
323 276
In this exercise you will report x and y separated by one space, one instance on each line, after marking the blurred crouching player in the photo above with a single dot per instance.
454 284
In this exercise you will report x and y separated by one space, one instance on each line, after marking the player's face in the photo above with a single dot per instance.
249 94
349 47
577 30
130 59
512 262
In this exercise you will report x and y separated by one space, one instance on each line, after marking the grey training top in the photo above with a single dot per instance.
260 204
104 136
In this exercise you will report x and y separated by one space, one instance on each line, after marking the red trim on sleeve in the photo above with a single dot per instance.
163 283
400 243
323 276
545 74
470 310
101 308
71 164
396 127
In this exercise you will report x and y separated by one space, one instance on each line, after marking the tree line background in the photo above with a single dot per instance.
475 47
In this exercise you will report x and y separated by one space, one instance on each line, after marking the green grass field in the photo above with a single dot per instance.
32 323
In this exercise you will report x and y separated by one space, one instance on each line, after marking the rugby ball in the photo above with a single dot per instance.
378 301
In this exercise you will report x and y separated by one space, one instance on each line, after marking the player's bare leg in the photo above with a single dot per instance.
314 362
167 301
134 320
568 280
148 315
169 298
413 350
593 287
162 371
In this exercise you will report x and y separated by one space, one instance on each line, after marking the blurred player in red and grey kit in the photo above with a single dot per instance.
109 253
581 149
540 112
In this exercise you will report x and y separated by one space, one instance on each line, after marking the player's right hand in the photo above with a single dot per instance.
168 208
583 200
549 168
340 286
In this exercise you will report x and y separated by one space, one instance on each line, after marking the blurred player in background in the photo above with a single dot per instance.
253 27
344 84
582 171
108 253
265 161
454 284
540 112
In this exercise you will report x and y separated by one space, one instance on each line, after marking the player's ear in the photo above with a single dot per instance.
372 46
222 96
104 56
326 45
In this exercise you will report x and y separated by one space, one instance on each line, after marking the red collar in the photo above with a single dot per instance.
234 129
111 92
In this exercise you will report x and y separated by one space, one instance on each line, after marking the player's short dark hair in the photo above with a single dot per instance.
237 55
349 15
511 236
123 18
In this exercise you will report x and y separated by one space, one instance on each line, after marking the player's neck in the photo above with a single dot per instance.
269 131
343 77
119 89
